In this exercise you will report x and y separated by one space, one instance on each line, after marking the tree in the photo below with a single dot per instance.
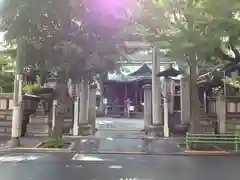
7 70
194 31
75 37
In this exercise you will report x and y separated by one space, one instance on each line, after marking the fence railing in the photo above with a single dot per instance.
213 139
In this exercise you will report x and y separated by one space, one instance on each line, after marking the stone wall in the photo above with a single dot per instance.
5 114
232 114
225 111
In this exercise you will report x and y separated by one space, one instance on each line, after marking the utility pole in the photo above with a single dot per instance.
17 97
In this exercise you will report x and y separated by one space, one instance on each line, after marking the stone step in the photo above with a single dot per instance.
36 135
5 129
5 123
38 129
5 134
38 119
6 117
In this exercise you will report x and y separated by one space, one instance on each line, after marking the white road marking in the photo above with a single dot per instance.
17 158
115 167
109 138
80 166
83 140
81 157
131 158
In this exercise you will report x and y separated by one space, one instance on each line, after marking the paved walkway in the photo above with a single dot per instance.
118 135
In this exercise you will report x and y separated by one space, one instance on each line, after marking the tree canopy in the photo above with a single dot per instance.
6 71
197 32
70 35
199 26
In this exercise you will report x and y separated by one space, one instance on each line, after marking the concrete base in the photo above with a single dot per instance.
14 142
85 129
155 130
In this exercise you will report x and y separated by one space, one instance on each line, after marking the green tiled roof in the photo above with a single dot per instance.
126 70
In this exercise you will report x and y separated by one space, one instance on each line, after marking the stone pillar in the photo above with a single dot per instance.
166 117
76 116
54 115
92 107
147 105
17 112
172 93
76 99
84 127
185 100
156 128
221 113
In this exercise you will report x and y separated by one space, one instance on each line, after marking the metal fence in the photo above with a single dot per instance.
213 140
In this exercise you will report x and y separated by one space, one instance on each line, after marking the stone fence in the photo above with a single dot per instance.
6 104
225 111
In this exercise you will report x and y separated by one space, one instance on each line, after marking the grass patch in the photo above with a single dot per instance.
54 142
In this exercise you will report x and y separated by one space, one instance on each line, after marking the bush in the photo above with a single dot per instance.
31 89
55 142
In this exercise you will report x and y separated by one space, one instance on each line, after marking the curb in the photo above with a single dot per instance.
37 150
136 153
208 153
193 153
54 150
116 137
40 144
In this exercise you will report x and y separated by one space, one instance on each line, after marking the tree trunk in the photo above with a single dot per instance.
194 99
102 77
61 95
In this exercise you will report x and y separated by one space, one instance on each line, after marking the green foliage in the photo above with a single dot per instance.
6 83
197 32
193 30
6 72
55 142
232 82
75 36
31 89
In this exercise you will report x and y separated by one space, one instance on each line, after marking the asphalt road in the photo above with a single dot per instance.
62 166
